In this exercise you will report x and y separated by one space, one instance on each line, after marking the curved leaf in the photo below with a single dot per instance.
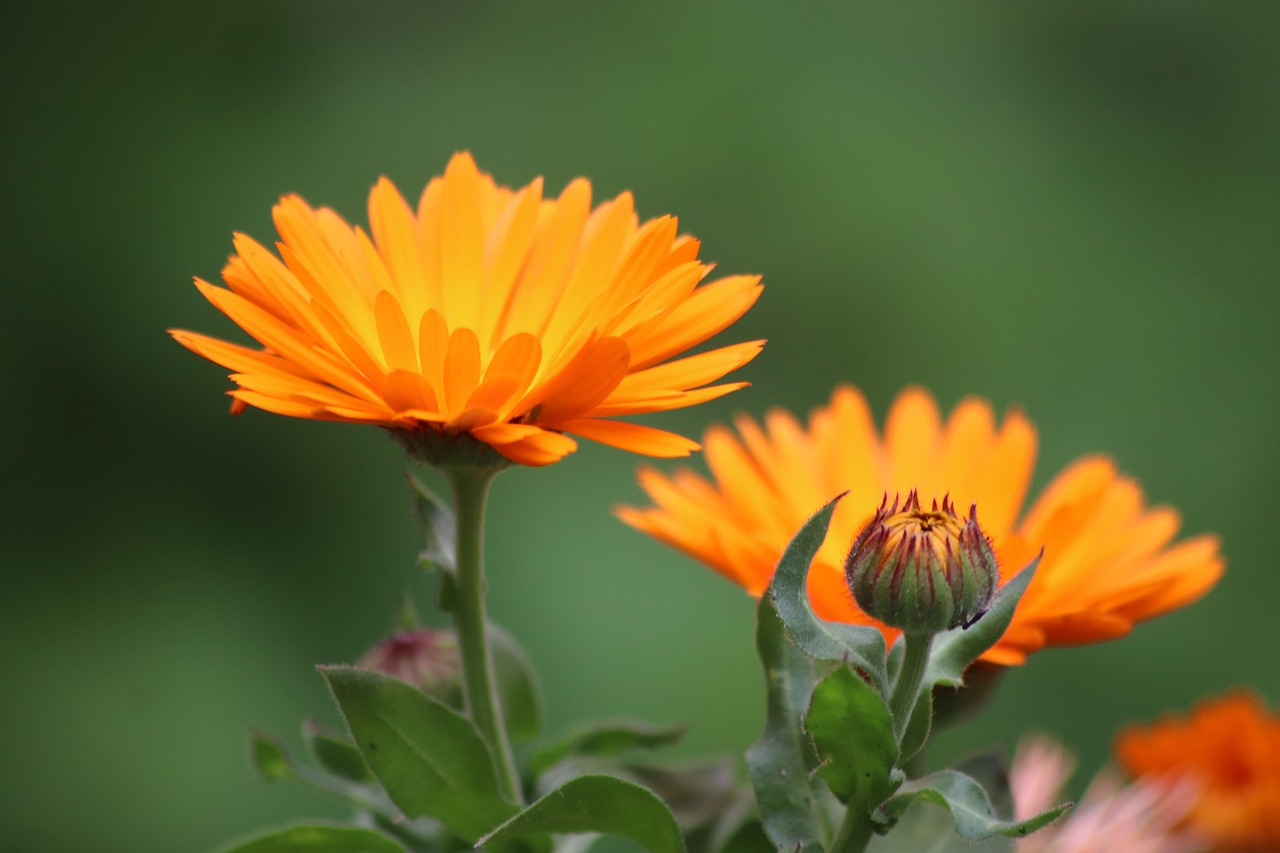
517 682
971 810
954 650
603 804
853 734
859 645
317 838
605 738
429 758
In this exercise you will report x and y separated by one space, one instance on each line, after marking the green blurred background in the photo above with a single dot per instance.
1072 207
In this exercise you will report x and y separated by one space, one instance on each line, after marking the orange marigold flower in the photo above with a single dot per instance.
1108 561
487 312
1230 749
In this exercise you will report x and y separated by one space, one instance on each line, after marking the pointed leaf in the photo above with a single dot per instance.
269 756
954 650
335 753
605 738
971 810
918 727
517 681
436 520
860 645
429 758
853 734
780 762
603 804
317 838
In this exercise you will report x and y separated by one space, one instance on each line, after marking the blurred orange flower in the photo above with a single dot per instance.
1108 561
1230 749
487 312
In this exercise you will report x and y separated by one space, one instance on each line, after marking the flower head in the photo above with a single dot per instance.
1230 749
922 571
426 658
487 316
1108 559
1144 817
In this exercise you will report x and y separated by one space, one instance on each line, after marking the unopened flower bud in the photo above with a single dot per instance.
922 571
426 658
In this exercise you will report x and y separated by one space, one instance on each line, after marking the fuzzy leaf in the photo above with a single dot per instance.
429 758
853 735
954 650
603 804
437 523
335 753
971 809
859 645
269 756
317 838
606 738
779 763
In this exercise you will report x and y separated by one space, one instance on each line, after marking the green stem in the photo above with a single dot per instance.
906 687
470 487
854 833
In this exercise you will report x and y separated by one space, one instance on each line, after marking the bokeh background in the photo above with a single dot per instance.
1070 207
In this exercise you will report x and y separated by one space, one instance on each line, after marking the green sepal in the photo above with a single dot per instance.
858 645
603 804
269 756
972 814
853 735
781 761
316 838
335 752
517 683
954 650
430 759
436 521
605 738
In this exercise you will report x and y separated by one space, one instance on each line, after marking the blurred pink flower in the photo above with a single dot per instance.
1142 817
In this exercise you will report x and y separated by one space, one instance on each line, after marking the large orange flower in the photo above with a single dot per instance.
1229 748
487 312
1108 562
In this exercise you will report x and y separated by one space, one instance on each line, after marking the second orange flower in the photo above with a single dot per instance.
1109 560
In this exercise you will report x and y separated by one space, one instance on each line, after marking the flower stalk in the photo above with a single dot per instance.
470 486
906 687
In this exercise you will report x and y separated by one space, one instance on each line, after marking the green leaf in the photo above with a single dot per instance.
988 770
605 738
858 645
696 793
971 810
917 732
269 756
517 681
853 734
335 753
436 520
780 762
429 758
954 650
926 829
602 804
316 838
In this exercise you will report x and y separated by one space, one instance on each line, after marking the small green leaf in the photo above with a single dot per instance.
429 758
779 763
602 804
696 793
853 734
518 691
335 753
954 650
605 738
436 520
269 756
917 732
988 770
971 810
859 645
316 838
